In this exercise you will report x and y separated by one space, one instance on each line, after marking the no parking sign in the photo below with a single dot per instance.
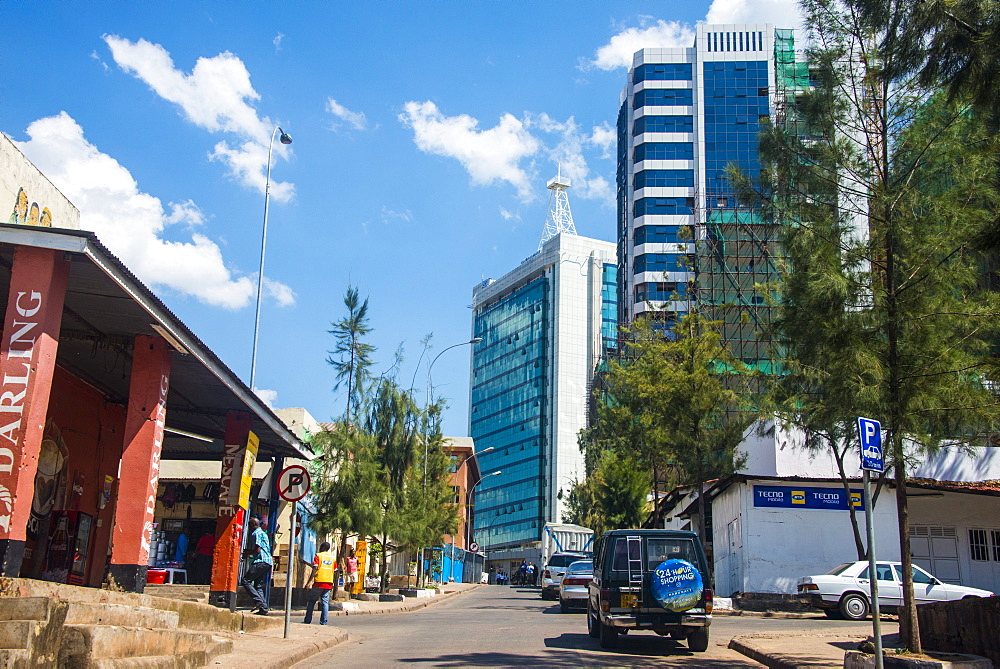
293 483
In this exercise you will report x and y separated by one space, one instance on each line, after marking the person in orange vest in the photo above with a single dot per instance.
324 566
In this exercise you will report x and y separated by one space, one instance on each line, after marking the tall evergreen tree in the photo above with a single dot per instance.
880 187
352 356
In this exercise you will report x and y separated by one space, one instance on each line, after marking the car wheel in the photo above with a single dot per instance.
698 640
563 606
592 624
609 636
854 606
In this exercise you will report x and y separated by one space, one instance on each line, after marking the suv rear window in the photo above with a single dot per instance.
658 549
558 560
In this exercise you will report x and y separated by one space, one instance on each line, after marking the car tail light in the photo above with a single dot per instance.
547 574
605 599
805 587
574 581
709 601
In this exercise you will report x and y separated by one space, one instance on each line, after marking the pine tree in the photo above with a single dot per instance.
880 187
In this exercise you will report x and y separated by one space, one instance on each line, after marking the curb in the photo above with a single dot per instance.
739 646
769 614
405 607
303 652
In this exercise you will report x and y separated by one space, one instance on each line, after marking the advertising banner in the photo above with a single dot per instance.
801 497
676 585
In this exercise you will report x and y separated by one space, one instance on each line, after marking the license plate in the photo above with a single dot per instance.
630 601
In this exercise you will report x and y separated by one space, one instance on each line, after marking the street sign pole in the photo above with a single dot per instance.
870 437
293 485
873 575
289 577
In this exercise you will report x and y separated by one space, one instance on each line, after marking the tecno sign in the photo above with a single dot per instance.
801 497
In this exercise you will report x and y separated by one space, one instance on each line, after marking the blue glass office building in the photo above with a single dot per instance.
684 242
545 326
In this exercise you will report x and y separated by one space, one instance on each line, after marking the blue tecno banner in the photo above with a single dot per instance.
800 497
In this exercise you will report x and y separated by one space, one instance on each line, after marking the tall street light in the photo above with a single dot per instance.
427 402
284 138
468 507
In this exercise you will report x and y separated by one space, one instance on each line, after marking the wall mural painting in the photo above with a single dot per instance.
25 214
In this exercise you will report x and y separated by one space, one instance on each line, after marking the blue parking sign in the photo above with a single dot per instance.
870 436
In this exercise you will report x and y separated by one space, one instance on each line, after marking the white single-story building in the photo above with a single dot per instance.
786 515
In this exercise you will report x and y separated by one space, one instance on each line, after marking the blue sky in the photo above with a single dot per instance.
424 134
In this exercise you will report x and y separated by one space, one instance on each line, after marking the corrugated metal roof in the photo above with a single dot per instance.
106 307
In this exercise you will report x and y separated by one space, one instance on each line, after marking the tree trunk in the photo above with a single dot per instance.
384 566
341 553
838 455
909 626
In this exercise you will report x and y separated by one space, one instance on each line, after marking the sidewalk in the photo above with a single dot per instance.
268 649
791 651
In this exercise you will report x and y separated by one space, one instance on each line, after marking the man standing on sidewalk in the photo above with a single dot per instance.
323 570
259 573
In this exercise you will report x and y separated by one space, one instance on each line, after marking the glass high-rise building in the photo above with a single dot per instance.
684 241
545 326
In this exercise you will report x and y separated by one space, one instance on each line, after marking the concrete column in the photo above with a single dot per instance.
145 417
231 517
27 362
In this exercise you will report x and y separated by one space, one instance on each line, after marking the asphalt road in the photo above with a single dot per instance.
503 626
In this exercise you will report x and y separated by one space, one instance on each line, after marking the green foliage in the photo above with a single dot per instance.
882 184
677 401
351 358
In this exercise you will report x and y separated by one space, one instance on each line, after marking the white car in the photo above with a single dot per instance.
845 590
574 583
554 569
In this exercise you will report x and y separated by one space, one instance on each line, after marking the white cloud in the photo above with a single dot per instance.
268 397
619 50
277 41
782 13
568 152
489 155
214 96
508 215
389 215
604 137
134 224
356 120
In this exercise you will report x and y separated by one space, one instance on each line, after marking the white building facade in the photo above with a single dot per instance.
545 326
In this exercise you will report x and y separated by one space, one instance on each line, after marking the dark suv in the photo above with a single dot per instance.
655 580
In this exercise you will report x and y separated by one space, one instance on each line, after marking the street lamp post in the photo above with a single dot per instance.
427 402
468 507
284 138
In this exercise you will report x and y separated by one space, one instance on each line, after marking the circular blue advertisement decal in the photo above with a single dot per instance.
676 585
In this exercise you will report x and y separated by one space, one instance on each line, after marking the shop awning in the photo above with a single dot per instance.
106 307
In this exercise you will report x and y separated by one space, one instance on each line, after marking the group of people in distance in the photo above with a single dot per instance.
526 574
324 573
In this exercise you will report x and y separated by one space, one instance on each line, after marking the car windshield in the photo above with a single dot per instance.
840 569
580 567
563 560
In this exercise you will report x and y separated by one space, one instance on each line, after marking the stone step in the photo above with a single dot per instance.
185 661
119 614
14 657
187 593
84 645
25 608
18 634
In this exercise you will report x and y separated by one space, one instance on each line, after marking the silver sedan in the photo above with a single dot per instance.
573 586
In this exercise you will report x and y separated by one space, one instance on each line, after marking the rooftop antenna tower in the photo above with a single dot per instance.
560 218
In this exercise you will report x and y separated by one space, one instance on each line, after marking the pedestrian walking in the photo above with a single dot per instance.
531 574
350 571
324 565
203 559
259 574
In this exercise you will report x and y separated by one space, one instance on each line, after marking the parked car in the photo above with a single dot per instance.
573 586
553 571
656 580
845 589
